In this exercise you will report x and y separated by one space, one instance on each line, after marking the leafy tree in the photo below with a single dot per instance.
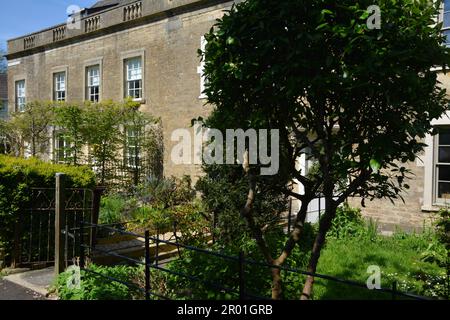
70 119
30 130
357 100
104 137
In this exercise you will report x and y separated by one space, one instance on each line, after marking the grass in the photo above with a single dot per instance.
399 257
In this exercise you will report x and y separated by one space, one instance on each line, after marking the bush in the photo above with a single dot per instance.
96 287
111 209
224 192
165 192
157 205
347 223
17 178
443 227
224 272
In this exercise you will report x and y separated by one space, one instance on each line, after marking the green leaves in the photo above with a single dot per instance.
323 67
375 165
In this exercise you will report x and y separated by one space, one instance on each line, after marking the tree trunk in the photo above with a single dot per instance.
324 226
277 290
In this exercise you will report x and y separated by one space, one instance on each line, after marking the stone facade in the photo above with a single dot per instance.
167 45
407 215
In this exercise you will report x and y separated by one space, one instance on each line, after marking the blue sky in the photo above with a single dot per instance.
19 17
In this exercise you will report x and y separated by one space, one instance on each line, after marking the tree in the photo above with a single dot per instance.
30 130
356 99
70 119
104 137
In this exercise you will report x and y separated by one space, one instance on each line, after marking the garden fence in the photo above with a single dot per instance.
241 292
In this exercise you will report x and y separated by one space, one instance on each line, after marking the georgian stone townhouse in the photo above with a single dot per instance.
147 49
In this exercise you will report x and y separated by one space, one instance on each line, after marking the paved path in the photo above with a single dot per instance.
12 291
30 285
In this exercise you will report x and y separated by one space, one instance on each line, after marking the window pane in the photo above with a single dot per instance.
20 95
444 136
94 76
134 70
446 23
444 190
444 173
444 154
446 33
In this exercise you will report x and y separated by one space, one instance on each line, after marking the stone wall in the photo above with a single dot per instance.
407 215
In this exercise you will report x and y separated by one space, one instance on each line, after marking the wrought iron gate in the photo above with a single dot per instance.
34 243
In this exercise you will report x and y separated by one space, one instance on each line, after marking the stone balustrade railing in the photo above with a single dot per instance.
132 11
92 24
106 21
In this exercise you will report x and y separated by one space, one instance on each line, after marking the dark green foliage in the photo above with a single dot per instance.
224 192
224 272
443 227
305 67
18 176
96 287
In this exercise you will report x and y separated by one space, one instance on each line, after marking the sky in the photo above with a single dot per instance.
20 17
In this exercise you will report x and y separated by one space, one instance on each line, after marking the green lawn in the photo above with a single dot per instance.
399 257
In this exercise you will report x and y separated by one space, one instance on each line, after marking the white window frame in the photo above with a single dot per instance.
93 81
439 200
20 93
130 157
427 161
134 78
66 154
60 86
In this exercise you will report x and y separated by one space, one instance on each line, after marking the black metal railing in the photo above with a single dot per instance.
240 293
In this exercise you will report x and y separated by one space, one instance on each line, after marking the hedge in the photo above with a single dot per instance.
18 176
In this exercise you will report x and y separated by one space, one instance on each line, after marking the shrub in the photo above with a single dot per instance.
17 178
96 287
443 227
111 209
165 192
347 223
224 272
156 206
224 192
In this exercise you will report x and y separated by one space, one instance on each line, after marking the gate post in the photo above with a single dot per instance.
59 224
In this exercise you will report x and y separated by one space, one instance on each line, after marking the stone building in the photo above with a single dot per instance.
147 49
117 48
